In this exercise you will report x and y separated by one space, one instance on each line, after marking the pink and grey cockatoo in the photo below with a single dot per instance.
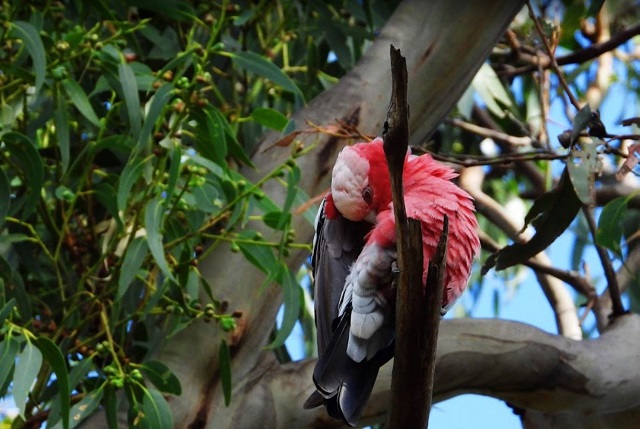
353 263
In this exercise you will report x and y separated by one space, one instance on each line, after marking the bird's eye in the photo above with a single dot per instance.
367 195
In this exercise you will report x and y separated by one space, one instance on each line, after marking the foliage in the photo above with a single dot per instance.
123 127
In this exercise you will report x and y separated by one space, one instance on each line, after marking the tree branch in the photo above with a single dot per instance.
577 57
417 319
530 369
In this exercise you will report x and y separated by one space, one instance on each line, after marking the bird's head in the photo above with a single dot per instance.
360 181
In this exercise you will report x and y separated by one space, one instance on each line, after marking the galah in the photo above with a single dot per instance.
354 259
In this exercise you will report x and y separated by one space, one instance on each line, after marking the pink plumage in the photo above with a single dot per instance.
354 250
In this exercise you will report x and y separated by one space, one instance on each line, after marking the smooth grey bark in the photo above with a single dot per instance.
556 382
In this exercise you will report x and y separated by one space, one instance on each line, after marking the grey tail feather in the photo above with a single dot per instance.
343 384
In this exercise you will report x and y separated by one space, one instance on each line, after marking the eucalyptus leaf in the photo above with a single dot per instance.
224 362
28 365
33 43
54 356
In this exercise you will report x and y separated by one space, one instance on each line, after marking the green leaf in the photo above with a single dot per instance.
79 99
269 118
84 408
27 368
581 122
160 100
5 197
157 414
25 156
9 348
153 216
13 238
277 220
558 219
133 259
128 178
610 228
211 141
224 362
6 311
293 177
111 407
582 166
262 67
131 97
174 171
489 87
162 377
54 356
259 255
33 43
61 116
291 298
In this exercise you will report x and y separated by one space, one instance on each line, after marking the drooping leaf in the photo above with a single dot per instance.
558 219
128 178
5 197
5 311
61 116
84 408
610 229
160 100
9 348
293 177
54 356
211 141
33 44
174 171
582 166
127 80
25 156
262 67
291 303
489 87
157 414
153 216
79 99
269 118
224 362
133 258
581 122
110 403
162 377
28 365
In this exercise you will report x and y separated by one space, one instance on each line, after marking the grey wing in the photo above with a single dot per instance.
336 245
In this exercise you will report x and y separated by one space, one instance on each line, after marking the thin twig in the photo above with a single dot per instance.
609 273
552 57
492 134
577 57
472 161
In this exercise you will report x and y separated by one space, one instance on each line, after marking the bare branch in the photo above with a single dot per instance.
577 57
416 326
